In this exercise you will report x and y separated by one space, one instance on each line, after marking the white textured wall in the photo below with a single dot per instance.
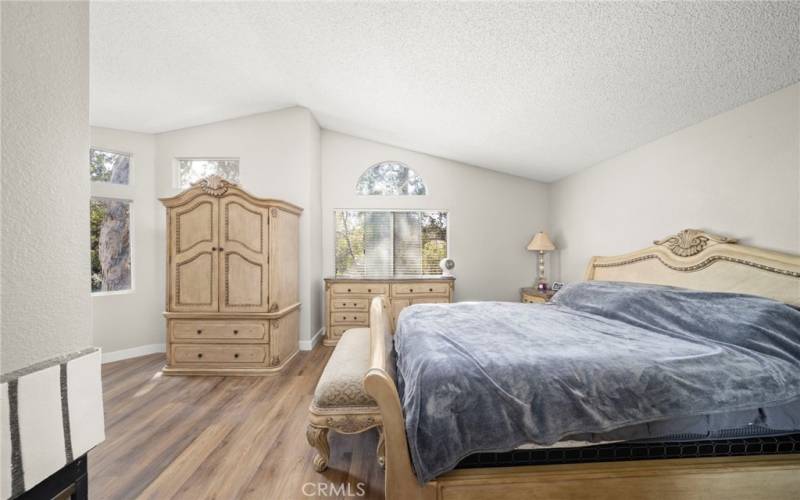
736 174
124 320
46 309
314 214
278 158
492 216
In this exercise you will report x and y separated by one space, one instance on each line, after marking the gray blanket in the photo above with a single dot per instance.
491 376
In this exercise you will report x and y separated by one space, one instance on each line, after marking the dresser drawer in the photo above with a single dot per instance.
336 332
349 304
420 289
430 300
183 354
215 331
360 288
533 299
349 318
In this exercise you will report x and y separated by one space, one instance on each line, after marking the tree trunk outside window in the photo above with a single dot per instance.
114 245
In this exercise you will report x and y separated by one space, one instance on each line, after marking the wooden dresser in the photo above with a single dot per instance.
347 300
535 296
232 281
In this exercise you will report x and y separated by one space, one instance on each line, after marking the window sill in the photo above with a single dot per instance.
109 294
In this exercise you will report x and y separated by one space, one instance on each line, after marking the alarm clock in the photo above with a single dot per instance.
447 265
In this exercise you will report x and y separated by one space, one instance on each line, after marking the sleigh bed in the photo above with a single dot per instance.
691 260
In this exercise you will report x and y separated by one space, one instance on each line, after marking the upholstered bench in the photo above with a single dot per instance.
340 402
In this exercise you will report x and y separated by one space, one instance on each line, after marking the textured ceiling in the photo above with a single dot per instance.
534 89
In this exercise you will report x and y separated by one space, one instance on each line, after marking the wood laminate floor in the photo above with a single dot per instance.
221 437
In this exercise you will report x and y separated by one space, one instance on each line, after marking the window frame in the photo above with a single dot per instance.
176 167
430 276
131 239
424 184
105 190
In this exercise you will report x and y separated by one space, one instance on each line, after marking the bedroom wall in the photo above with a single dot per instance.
736 174
46 309
278 158
129 323
492 216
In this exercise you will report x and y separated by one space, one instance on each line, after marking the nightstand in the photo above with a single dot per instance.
534 296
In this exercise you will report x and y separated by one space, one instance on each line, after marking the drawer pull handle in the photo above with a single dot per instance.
213 249
354 304
430 289
236 332
369 290
348 289
236 355
199 354
199 332
411 290
354 318
344 317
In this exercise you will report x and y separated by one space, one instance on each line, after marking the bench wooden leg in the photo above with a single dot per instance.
381 451
318 438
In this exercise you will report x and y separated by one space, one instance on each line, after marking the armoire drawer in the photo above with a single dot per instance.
183 354
360 288
420 289
349 318
195 331
349 304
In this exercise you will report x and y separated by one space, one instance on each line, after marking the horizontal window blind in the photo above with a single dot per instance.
390 243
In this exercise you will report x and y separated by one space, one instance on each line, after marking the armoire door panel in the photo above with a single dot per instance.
193 263
243 225
194 225
194 277
244 257
244 281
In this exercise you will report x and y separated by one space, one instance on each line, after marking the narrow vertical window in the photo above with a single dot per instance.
110 244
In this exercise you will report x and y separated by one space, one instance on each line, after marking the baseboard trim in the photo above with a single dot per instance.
133 352
307 345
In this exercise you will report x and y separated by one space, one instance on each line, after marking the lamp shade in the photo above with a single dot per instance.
541 242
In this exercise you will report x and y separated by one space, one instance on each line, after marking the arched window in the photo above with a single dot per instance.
390 178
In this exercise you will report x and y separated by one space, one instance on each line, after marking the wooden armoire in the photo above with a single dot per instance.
232 281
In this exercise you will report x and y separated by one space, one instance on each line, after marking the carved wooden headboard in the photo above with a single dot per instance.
702 261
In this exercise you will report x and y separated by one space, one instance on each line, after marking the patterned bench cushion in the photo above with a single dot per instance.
341 383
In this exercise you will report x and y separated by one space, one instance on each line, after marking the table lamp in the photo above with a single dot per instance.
541 243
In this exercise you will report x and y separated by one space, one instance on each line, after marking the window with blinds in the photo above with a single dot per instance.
381 244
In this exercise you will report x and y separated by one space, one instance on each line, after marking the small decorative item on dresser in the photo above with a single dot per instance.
531 295
541 243
447 265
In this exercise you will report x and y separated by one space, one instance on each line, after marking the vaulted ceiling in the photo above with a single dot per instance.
539 90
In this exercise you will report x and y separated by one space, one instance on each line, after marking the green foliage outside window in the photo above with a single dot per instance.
109 224
97 213
107 166
390 244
